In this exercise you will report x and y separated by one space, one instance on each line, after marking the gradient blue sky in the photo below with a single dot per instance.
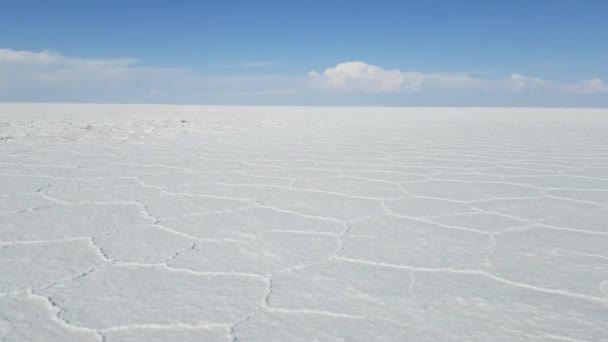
544 53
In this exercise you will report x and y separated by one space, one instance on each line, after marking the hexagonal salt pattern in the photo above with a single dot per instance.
287 224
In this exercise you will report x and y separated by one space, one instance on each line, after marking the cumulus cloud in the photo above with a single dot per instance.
367 78
593 86
360 76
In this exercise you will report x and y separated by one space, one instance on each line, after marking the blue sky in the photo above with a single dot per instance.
521 53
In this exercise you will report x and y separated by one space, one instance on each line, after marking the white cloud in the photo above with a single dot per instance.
51 75
367 78
51 61
51 69
27 57
519 83
592 86
363 77
48 75
452 81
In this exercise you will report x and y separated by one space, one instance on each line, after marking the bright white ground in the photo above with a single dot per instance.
167 223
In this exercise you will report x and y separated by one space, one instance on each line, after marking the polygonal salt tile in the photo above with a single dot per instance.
469 191
22 184
211 165
468 177
354 160
537 208
553 259
423 207
239 178
173 179
17 169
24 318
596 196
25 266
76 220
537 166
169 333
118 296
594 221
178 205
394 240
248 221
561 182
105 190
75 185
596 172
145 244
280 326
486 222
101 173
157 169
270 252
478 308
288 163
22 202
343 287
266 171
245 192
429 170
388 176
453 163
323 204
352 186
514 171
308 173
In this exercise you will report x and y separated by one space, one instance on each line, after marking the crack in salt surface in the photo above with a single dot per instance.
60 320
181 251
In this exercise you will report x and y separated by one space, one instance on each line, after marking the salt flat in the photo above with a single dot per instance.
190 223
